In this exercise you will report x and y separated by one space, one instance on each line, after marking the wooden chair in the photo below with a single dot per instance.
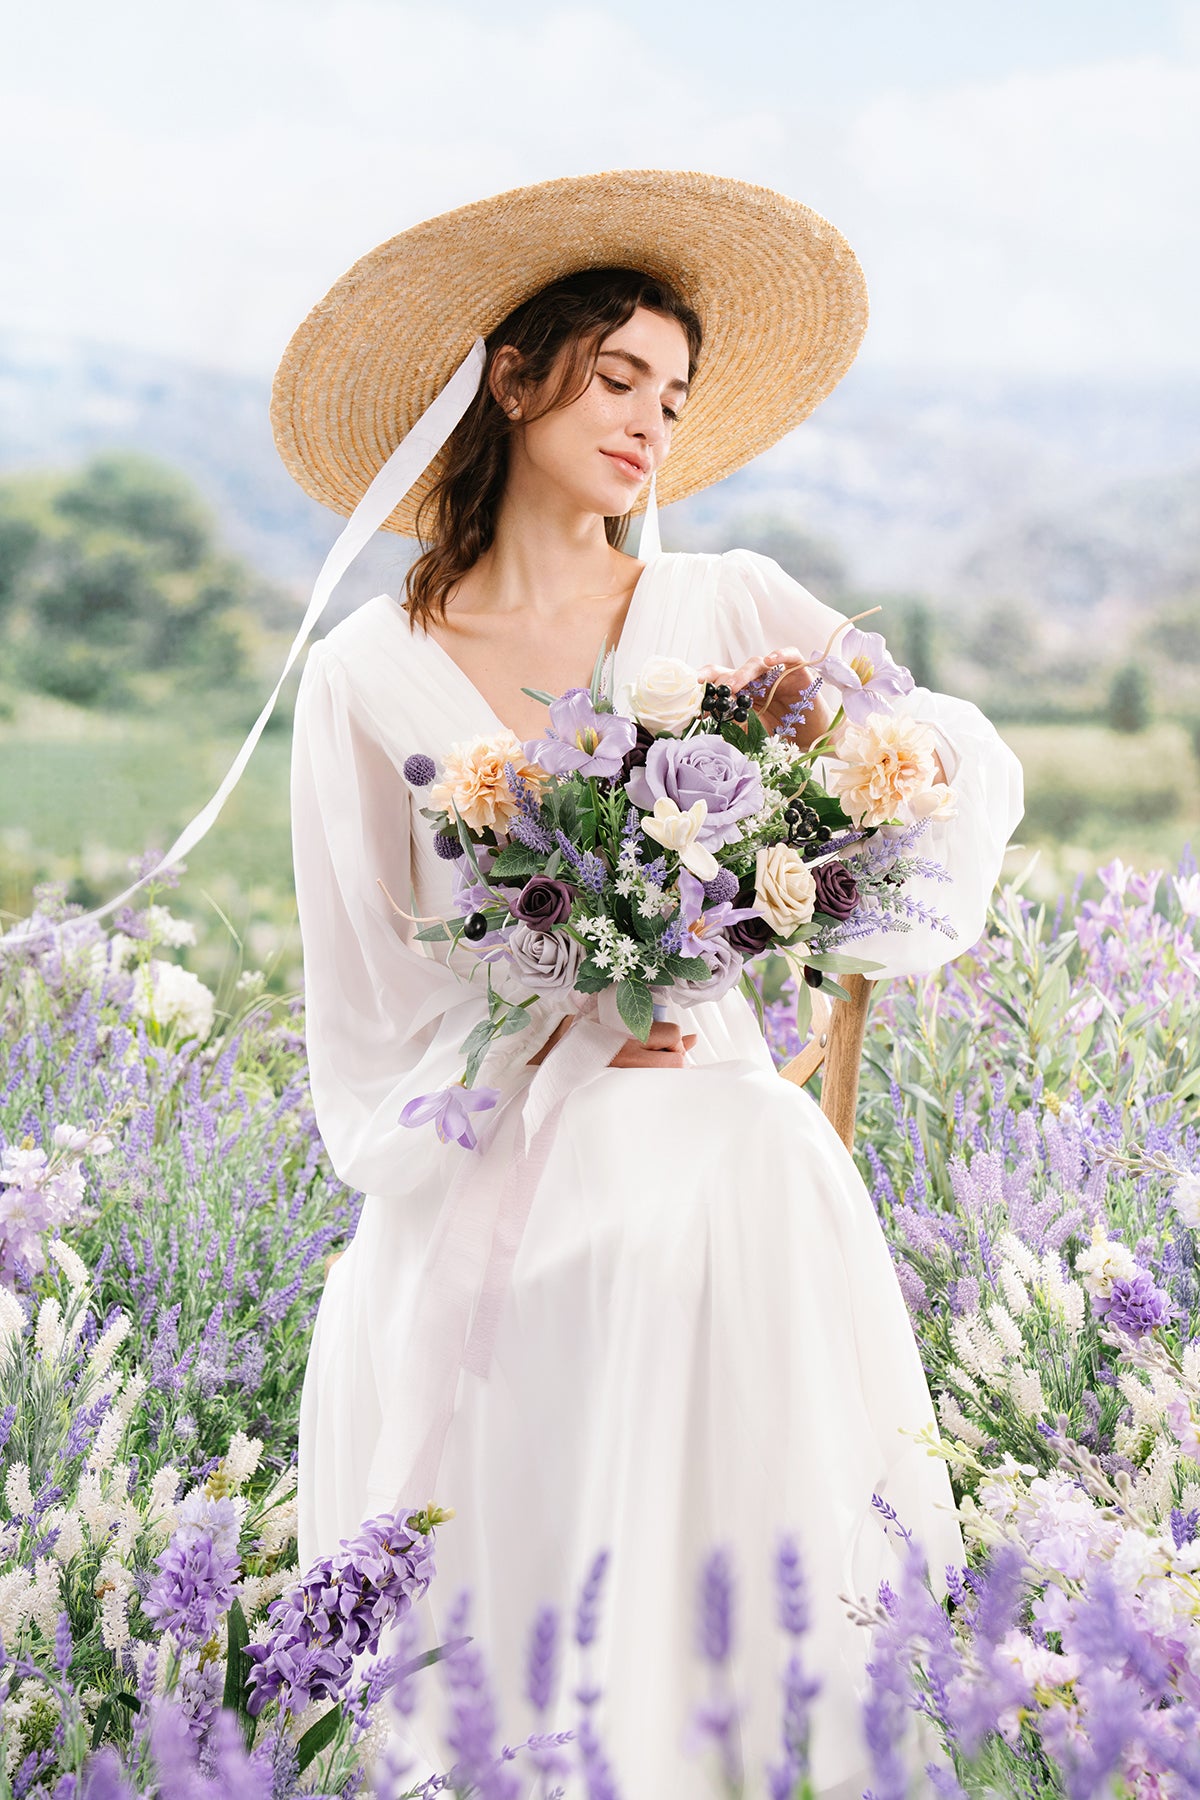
837 1041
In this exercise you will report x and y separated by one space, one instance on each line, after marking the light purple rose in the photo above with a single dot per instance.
546 961
582 741
725 965
700 768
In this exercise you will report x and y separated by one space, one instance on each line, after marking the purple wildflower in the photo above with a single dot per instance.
450 1109
865 674
1134 1305
582 741
338 1612
193 1588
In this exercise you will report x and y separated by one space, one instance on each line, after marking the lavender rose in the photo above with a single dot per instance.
543 902
725 966
837 890
751 936
547 961
700 768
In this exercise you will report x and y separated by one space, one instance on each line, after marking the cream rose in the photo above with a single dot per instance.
784 890
474 781
666 695
884 764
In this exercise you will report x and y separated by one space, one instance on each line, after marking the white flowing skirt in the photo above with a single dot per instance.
704 1342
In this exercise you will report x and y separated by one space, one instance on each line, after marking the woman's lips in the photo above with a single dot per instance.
626 465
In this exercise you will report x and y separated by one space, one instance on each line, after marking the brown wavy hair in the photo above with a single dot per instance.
575 313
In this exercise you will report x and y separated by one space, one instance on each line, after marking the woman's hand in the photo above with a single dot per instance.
665 1049
786 692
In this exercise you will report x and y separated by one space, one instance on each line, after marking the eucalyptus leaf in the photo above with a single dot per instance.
432 934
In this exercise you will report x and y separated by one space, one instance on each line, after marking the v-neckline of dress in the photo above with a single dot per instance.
623 637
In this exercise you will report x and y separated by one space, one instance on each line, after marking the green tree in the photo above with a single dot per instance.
112 587
1129 699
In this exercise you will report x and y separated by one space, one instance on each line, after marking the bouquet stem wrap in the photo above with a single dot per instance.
469 1262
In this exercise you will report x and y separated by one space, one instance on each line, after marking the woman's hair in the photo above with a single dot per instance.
575 313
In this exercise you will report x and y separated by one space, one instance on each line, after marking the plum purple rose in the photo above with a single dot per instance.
837 890
543 903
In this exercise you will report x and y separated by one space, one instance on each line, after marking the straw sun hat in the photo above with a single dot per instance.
779 292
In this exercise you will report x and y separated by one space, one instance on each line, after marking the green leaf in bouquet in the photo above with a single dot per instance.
540 694
594 687
750 989
803 1009
756 733
686 968
515 1019
516 859
829 986
432 934
591 979
553 862
836 963
635 1003
475 1046
439 814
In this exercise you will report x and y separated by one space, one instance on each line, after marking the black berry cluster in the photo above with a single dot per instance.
804 824
721 703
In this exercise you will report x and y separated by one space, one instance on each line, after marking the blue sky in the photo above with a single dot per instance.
1021 181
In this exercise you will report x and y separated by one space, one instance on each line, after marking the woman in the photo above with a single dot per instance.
701 1337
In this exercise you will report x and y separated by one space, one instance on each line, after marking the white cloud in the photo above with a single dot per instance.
194 179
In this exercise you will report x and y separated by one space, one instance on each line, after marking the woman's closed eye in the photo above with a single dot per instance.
623 387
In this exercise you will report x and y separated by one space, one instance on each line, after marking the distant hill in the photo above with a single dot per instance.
1065 491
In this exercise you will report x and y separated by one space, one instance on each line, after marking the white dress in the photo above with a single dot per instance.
704 1339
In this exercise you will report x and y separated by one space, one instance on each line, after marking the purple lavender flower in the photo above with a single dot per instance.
193 1588
715 1625
865 674
1134 1305
582 741
450 1109
701 768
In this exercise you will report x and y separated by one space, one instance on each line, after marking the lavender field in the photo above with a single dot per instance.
1027 1129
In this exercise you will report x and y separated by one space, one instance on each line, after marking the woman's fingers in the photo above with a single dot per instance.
665 1048
751 670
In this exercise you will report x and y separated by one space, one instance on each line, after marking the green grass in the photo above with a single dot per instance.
80 793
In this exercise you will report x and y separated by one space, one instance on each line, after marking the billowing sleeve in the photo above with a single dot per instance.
776 611
385 1021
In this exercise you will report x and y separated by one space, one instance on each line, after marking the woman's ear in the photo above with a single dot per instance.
504 382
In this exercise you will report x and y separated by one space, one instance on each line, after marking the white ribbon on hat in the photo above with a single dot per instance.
402 470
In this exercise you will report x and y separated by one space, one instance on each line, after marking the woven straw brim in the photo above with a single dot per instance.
779 291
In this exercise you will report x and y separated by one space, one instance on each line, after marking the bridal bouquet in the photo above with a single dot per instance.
657 848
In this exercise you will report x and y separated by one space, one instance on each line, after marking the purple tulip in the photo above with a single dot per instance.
450 1109
701 768
582 741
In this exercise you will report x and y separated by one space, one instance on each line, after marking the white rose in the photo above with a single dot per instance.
1185 1197
1104 1261
784 890
169 995
666 695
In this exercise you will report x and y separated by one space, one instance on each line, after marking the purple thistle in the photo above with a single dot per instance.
419 770
723 886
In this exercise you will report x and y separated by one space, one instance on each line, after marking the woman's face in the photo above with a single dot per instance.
601 448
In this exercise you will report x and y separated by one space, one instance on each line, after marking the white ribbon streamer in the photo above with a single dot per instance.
402 470
650 544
